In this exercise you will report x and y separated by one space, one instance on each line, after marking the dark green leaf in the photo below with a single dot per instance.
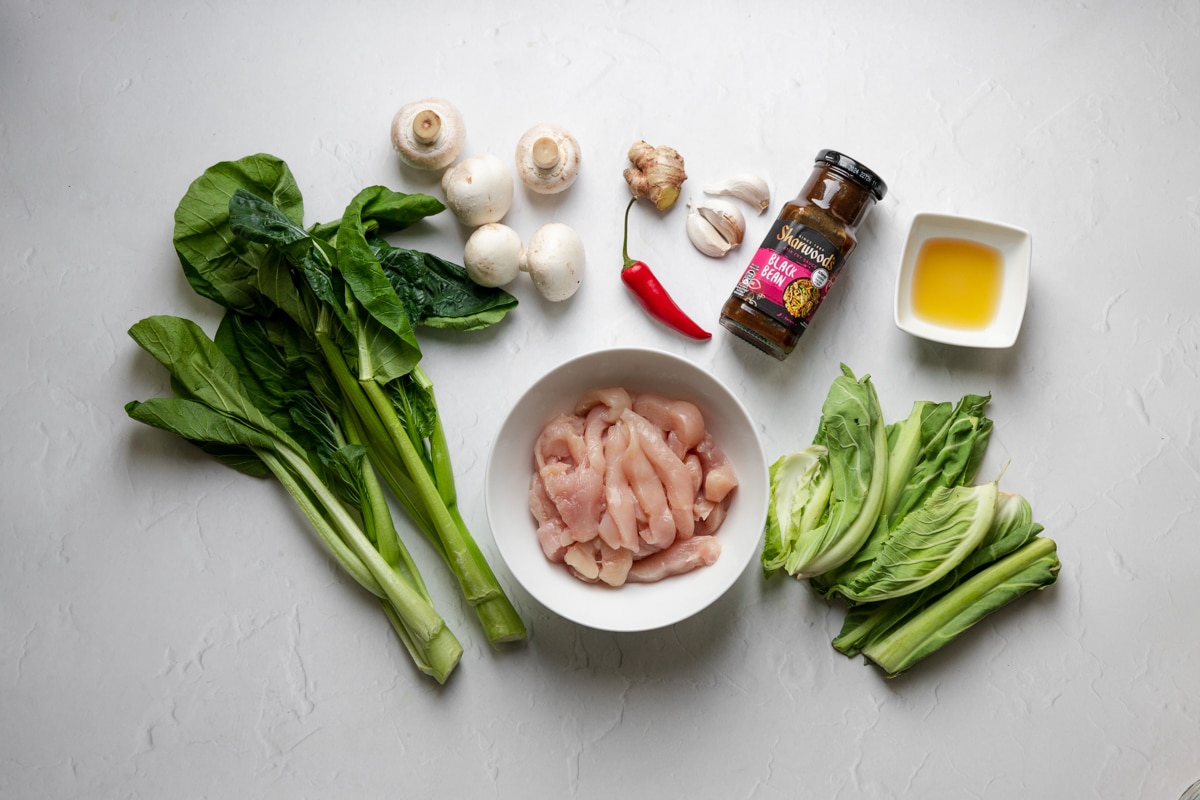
394 211
196 422
390 344
439 294
257 220
201 370
218 264
264 371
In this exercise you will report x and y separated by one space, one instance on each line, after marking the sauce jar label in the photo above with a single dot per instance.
790 274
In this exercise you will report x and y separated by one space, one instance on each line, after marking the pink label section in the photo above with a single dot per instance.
770 273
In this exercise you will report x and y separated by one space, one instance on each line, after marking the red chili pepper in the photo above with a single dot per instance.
651 294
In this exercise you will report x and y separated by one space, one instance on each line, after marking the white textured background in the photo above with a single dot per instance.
168 628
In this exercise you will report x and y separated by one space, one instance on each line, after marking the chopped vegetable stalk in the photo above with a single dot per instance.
1034 566
800 488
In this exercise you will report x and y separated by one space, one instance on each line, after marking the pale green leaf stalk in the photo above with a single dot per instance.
213 407
1012 528
927 544
800 489
853 433
1034 566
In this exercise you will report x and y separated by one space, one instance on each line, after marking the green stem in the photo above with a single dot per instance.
1033 566
329 535
382 427
475 577
402 486
375 508
440 649
439 450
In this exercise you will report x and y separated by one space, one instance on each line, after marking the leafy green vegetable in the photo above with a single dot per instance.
1034 566
1012 527
939 445
800 487
213 407
217 265
928 543
932 531
851 443
435 294
318 353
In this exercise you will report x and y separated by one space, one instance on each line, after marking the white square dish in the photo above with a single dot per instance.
1015 247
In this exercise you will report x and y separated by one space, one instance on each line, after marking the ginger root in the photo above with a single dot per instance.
656 174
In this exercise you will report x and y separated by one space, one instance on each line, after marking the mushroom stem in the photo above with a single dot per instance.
547 159
545 153
426 126
428 134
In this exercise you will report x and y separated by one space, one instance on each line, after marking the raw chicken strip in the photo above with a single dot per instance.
561 440
719 477
629 488
552 532
674 474
576 490
650 494
683 556
614 399
619 526
676 416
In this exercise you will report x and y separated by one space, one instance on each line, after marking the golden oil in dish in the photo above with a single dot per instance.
957 282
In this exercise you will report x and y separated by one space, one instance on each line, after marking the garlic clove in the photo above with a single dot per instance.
715 226
747 187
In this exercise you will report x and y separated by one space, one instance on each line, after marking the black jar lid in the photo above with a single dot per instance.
855 169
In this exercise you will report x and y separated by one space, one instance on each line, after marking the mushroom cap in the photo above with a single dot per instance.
548 159
492 255
428 134
555 261
478 190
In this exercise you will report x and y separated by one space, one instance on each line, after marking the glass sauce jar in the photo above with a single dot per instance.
802 254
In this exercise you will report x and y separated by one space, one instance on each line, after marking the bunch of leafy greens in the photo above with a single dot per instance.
313 377
897 528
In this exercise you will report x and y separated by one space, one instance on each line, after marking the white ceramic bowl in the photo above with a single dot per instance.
1015 246
633 607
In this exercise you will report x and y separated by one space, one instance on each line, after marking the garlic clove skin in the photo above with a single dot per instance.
746 187
715 227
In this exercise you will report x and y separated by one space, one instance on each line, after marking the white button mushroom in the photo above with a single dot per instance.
547 159
428 134
555 261
478 190
492 255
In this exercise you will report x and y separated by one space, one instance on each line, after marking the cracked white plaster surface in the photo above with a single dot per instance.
169 627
